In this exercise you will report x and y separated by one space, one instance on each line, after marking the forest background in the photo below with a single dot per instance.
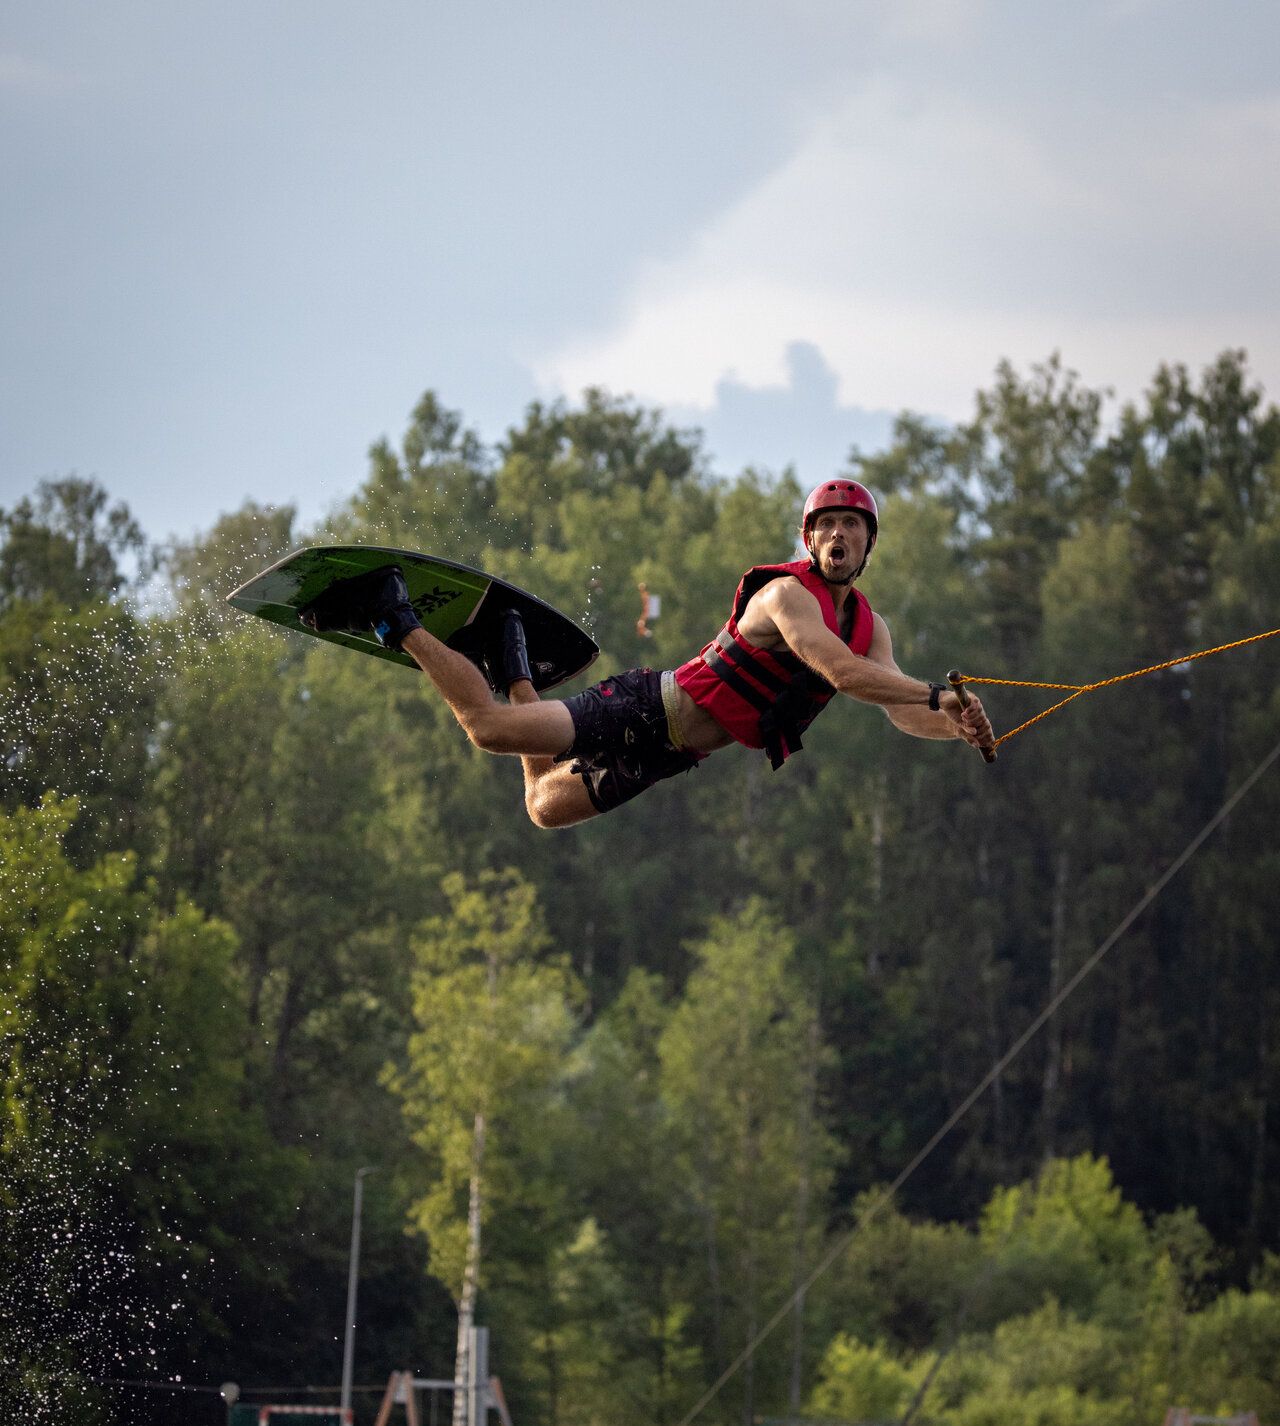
267 918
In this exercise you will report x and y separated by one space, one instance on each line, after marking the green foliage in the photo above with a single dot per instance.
266 790
1010 1347
77 699
740 1059
492 1021
67 986
898 1282
434 490
127 1150
862 1382
66 547
625 1179
1046 1368
1069 1234
698 1032
1230 1351
493 1014
201 574
614 1361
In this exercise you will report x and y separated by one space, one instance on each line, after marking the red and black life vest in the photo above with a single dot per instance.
767 698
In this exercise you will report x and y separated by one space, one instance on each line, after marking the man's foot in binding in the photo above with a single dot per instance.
377 601
506 657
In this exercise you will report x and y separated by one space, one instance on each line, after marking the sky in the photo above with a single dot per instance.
240 238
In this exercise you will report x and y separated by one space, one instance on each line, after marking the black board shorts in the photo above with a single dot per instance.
622 743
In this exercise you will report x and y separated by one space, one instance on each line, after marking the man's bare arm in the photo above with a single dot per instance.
953 718
919 722
797 617
874 679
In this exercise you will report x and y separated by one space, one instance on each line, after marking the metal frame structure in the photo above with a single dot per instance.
482 1393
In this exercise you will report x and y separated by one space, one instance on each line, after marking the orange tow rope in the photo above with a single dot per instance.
1079 688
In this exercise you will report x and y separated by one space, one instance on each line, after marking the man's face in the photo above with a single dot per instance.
838 541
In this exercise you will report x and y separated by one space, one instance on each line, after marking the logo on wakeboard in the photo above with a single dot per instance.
434 599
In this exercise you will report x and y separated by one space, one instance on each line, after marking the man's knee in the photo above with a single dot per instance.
543 810
485 727
541 813
550 804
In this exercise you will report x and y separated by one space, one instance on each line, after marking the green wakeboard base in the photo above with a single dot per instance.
459 605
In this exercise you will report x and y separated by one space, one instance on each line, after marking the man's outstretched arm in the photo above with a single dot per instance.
875 678
952 720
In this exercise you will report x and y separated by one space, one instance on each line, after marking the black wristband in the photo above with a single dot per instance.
935 690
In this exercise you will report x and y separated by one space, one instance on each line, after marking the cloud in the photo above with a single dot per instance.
917 238
934 21
1213 167
800 424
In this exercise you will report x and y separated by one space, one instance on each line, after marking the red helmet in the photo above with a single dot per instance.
841 495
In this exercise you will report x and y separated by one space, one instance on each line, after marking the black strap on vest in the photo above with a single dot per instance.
793 705
725 664
783 724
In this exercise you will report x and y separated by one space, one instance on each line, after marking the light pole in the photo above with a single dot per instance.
353 1273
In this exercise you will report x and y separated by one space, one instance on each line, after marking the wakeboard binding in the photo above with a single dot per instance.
378 600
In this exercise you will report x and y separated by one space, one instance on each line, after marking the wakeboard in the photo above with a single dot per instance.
459 605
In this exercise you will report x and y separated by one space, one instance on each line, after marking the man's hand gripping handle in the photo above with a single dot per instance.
956 681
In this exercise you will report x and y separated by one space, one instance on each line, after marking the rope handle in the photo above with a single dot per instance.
956 679
1076 689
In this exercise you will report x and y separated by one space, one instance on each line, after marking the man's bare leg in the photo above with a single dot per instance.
524 725
535 730
538 728
553 795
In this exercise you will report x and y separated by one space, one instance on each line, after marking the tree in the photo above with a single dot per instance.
67 546
862 1382
128 1151
77 677
203 572
624 1339
433 493
1065 1306
738 1075
493 1015
270 815
77 707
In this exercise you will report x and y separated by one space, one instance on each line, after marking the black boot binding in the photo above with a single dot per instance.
507 657
378 600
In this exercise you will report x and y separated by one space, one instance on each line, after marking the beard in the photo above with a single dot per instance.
845 573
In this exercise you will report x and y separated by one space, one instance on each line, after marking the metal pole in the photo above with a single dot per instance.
353 1273
478 1376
